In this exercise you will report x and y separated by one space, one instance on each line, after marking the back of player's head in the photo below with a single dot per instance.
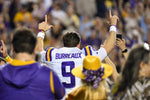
71 39
24 40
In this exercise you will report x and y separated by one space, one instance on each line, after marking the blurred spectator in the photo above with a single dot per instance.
140 8
23 15
100 28
71 21
48 3
5 14
85 26
4 36
86 7
131 22
121 28
145 24
39 9
101 8
13 8
124 9
57 13
66 3
94 40
2 22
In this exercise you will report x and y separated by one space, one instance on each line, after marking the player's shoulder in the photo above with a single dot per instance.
55 50
67 50
49 52
88 50
49 49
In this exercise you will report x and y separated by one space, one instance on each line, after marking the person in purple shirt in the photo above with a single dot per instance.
24 78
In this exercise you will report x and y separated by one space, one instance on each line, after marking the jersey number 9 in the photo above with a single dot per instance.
65 73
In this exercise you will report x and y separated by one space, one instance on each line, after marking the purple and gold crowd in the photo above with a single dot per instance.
90 19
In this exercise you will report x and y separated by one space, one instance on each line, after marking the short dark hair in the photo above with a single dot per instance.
24 40
71 39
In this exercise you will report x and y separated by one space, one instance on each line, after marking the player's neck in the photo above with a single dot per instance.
78 46
24 56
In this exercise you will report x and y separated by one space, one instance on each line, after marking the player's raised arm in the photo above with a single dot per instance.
43 27
110 41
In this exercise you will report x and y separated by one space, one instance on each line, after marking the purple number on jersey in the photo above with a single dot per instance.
68 74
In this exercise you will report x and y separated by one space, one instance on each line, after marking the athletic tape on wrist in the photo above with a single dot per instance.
113 28
41 34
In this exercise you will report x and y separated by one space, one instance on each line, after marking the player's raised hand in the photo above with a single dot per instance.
44 26
113 19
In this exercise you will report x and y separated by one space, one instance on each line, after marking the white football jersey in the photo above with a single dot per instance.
63 60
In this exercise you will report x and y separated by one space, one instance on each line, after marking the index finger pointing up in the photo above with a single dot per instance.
110 13
46 18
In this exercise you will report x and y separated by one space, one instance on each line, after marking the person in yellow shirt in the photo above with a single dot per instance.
23 15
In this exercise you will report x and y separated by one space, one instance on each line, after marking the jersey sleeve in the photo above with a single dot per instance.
43 56
101 53
48 55
56 86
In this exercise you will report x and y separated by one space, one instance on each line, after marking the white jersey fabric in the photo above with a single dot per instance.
63 60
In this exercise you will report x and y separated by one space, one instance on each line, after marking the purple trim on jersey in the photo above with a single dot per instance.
46 54
90 50
85 51
50 54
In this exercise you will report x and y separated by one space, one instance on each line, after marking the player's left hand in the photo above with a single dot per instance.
44 26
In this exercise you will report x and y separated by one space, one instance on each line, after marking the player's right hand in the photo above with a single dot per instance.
44 26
